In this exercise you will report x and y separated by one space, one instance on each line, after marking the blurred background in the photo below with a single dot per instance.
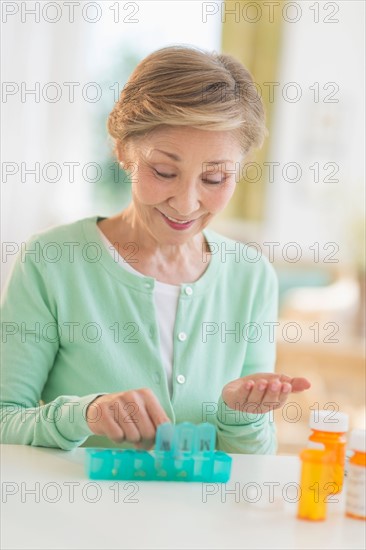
301 200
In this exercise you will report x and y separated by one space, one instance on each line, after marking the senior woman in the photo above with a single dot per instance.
115 325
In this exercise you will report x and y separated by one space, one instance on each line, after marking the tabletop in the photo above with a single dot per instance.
48 502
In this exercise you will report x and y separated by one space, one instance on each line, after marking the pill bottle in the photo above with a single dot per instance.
316 469
329 428
356 482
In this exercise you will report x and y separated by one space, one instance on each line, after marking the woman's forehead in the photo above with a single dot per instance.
175 143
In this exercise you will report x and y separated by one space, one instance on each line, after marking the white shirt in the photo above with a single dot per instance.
166 301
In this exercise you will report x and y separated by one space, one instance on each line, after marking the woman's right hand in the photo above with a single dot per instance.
127 416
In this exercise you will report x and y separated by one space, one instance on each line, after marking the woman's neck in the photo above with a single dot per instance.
167 262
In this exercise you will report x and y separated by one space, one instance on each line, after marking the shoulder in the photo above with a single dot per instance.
63 234
60 245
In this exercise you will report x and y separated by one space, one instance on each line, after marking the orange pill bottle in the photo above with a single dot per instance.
356 482
329 428
317 467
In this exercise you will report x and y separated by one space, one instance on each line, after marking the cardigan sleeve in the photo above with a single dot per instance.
244 432
28 353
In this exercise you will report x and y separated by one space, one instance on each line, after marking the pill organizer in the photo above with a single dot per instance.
183 452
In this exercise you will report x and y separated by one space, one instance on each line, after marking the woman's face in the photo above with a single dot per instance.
181 178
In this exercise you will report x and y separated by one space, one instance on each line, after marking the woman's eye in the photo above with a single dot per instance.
164 175
215 182
170 176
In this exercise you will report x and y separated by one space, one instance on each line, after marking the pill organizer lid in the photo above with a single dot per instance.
328 421
357 440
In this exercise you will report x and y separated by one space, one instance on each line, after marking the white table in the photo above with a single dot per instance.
69 511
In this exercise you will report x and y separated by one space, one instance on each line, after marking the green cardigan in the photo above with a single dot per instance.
76 325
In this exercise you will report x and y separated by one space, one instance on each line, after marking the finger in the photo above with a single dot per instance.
124 420
256 395
285 378
155 411
246 389
286 389
300 384
271 398
145 426
237 392
110 427
135 420
146 445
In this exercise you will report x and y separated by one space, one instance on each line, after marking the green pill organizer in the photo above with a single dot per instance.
183 452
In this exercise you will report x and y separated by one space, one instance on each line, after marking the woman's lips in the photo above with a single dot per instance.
177 225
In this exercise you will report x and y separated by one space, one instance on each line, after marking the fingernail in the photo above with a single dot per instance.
286 389
275 386
261 386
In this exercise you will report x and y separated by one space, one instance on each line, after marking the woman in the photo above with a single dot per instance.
119 324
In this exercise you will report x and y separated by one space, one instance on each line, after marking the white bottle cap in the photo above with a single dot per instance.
328 421
357 440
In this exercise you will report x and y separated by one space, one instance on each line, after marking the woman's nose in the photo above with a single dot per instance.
185 201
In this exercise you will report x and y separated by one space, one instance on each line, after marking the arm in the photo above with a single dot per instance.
27 357
246 432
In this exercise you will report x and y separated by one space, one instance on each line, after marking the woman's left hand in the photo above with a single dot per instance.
261 392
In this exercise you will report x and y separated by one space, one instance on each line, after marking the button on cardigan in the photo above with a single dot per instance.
75 325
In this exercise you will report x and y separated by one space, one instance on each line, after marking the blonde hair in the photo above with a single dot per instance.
186 86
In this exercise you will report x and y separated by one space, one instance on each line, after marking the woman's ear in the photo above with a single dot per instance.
120 152
123 152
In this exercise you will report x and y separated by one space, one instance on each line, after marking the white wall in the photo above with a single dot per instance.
307 132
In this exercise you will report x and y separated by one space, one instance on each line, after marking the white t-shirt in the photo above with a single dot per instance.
166 301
